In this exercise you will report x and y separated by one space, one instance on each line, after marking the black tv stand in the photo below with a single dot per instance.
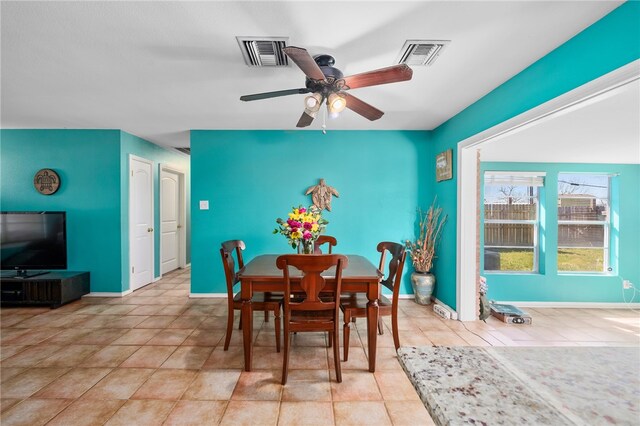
23 274
49 288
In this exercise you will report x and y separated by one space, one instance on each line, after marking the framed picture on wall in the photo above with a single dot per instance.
443 166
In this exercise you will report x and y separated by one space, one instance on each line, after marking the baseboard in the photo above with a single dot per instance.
187 266
156 279
108 294
405 296
207 295
577 305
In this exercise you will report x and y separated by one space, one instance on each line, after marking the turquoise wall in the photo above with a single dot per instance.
615 38
93 167
250 178
88 164
134 145
548 285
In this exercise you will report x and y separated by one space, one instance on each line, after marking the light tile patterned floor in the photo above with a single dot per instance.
155 357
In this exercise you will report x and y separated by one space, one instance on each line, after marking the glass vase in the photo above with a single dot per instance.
306 247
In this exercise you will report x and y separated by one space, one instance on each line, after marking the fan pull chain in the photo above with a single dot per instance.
324 122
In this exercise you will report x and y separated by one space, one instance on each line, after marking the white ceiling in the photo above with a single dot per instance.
603 130
158 69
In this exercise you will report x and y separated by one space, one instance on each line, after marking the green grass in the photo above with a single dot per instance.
576 259
516 260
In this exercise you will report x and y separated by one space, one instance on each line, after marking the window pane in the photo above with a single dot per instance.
573 207
508 259
510 202
508 234
580 235
583 197
581 259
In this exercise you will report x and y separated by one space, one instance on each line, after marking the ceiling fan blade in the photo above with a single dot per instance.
304 61
267 95
391 74
361 107
305 120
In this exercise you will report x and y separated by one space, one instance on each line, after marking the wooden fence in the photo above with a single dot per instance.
521 234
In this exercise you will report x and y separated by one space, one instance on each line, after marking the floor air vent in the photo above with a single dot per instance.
421 52
185 150
263 51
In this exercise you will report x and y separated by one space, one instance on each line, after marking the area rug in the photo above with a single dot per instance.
527 385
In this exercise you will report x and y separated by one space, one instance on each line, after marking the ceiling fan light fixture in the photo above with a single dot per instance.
313 102
336 103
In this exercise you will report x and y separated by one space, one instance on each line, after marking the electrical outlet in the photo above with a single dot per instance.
626 284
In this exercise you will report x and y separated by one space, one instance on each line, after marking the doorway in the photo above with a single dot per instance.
172 219
141 244
469 155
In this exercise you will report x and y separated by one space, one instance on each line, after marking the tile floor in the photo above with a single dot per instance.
155 357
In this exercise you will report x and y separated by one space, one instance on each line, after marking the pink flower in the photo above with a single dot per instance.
306 235
302 210
307 226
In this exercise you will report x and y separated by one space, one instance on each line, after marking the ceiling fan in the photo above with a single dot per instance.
325 82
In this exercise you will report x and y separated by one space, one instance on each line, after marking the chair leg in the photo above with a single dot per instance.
227 337
336 354
266 316
345 334
380 326
394 329
240 323
285 358
276 314
330 336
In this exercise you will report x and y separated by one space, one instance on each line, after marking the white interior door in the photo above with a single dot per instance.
170 220
141 222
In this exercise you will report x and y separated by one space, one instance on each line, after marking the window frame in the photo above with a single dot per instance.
536 232
606 244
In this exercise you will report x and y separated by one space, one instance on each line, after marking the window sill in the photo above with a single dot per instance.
586 274
511 273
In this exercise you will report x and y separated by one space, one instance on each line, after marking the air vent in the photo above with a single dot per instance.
421 52
184 150
263 51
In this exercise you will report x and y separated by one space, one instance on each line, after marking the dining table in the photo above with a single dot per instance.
261 275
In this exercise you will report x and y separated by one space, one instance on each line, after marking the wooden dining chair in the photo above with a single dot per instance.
266 302
354 305
324 239
306 311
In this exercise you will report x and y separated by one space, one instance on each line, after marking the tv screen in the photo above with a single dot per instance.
33 240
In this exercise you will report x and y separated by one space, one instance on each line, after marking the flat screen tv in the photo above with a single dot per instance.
31 242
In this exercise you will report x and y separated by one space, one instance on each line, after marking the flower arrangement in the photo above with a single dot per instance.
302 228
423 250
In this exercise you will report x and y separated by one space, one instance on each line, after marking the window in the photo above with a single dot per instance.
511 221
583 222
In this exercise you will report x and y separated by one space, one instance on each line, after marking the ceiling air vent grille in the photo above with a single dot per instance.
263 51
421 52
185 150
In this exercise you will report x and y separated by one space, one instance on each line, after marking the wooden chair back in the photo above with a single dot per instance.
395 266
324 239
230 272
312 266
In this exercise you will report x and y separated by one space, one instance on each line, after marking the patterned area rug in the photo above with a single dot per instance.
527 385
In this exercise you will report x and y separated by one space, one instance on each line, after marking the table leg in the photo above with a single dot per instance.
372 332
247 332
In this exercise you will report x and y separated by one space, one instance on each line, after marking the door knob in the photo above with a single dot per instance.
149 229
179 226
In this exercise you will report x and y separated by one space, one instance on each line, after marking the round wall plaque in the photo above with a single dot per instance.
46 181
